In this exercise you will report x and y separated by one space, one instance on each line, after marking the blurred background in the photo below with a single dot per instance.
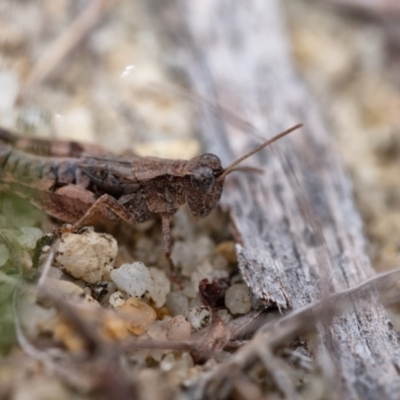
98 71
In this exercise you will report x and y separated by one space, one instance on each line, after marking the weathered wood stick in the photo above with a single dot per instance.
301 235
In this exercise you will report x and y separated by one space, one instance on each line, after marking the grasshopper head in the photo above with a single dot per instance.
204 177
202 187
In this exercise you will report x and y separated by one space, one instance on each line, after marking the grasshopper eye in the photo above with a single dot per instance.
203 178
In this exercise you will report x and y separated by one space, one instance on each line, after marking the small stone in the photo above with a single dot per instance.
114 326
158 330
225 316
195 302
228 251
199 317
178 303
237 299
212 293
116 300
29 236
134 279
188 255
203 271
54 273
190 291
167 362
163 312
101 290
123 256
71 292
210 364
144 250
179 328
137 314
161 287
219 262
88 256
158 354
65 332
178 365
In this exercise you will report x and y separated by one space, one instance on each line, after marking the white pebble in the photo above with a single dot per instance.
134 279
177 303
199 317
88 256
161 286
224 315
189 254
237 299
167 362
116 300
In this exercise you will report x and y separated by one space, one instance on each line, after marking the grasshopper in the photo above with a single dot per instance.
81 183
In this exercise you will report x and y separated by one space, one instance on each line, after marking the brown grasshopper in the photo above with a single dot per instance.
82 183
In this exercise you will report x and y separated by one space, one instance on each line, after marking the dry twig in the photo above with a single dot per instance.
66 42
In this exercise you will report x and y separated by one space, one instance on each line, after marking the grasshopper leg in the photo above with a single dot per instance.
100 211
167 240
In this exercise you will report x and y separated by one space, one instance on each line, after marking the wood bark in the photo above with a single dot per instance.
300 234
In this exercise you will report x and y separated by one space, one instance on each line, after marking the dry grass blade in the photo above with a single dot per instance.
65 43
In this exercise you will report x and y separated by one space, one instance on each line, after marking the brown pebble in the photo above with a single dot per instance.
212 293
162 312
227 250
137 314
66 334
114 327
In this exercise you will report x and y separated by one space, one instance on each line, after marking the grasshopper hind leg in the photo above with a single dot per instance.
105 208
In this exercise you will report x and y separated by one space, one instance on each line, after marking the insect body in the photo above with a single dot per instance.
82 184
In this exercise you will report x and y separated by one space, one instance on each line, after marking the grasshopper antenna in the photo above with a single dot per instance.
231 167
